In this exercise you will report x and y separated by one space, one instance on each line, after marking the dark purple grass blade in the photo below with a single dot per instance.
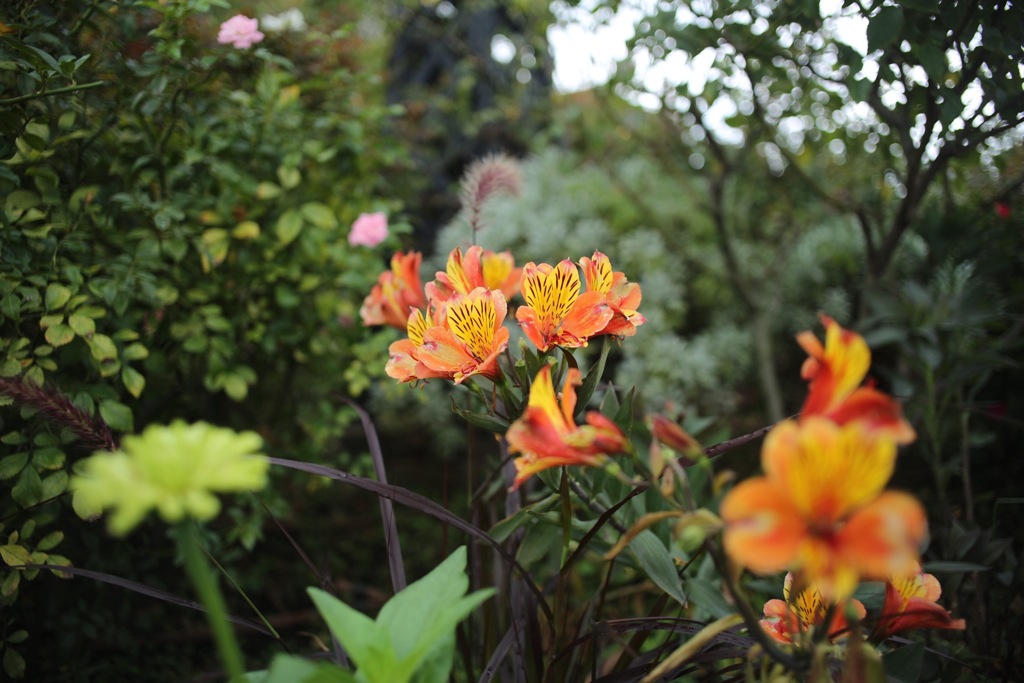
143 589
499 653
387 510
424 505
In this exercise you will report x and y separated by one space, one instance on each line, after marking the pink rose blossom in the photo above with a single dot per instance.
369 230
240 31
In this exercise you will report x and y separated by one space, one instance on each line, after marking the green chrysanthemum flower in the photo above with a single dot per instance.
175 469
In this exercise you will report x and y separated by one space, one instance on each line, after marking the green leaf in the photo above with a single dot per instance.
425 614
133 381
82 325
56 296
14 663
135 351
51 320
54 485
14 555
236 387
267 190
657 563
488 422
885 27
291 669
288 227
19 636
10 584
904 664
367 643
289 177
49 458
50 540
59 335
117 415
102 347
10 465
706 595
29 488
933 59
320 215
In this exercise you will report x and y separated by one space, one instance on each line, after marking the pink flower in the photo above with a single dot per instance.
369 230
240 31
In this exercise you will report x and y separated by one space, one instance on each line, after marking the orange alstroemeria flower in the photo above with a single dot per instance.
479 267
820 508
836 371
548 436
403 363
910 602
397 292
470 340
795 616
623 296
556 314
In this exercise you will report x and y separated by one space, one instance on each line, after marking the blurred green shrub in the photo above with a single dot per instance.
173 237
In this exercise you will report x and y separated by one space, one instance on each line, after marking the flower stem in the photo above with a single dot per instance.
205 583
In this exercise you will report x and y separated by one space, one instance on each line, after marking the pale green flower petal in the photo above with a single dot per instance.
176 469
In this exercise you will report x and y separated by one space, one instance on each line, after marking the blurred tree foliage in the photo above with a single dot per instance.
173 243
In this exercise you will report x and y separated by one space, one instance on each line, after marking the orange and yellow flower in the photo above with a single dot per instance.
479 267
911 602
556 313
836 371
820 508
797 615
548 436
623 296
403 363
397 292
470 340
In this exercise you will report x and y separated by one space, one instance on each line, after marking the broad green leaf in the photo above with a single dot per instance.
14 555
10 584
50 540
367 643
56 296
14 663
267 190
10 465
289 177
102 347
54 485
135 351
50 320
82 325
320 215
421 617
288 227
657 564
885 27
246 230
291 669
48 458
133 381
117 415
704 594
59 335
28 490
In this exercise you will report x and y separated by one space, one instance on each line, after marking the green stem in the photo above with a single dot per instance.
205 583
47 93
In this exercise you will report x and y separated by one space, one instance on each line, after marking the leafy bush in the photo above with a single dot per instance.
173 238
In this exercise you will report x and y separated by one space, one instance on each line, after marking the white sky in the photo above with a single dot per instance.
586 46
